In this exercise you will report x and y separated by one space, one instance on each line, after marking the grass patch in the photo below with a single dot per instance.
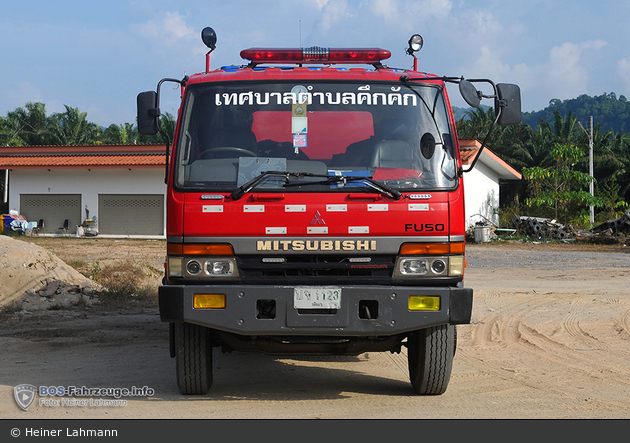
126 282
77 263
11 308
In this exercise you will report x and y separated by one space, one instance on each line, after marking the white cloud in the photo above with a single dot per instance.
333 12
565 74
320 3
405 14
386 9
167 28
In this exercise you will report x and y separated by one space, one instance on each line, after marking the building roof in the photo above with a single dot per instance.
470 148
82 157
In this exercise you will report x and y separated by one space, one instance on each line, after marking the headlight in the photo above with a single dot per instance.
438 266
209 267
413 266
219 267
428 266
193 267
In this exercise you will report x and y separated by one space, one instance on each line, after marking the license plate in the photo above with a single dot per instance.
317 297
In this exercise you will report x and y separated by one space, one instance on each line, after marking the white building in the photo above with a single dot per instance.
121 187
481 184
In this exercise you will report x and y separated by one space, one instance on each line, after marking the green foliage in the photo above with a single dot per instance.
31 126
560 187
612 205
612 112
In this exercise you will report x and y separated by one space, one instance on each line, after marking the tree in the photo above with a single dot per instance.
559 187
122 134
613 206
167 124
72 128
30 124
9 133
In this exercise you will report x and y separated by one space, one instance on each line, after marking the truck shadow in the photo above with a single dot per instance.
253 376
127 351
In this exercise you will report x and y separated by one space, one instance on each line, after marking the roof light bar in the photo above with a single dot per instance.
315 54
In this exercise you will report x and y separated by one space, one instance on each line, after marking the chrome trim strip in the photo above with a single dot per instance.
400 240
384 245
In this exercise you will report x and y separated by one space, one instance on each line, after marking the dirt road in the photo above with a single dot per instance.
550 338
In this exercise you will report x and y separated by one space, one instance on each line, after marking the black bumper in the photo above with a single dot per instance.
242 314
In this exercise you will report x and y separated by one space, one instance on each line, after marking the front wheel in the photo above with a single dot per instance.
193 358
430 353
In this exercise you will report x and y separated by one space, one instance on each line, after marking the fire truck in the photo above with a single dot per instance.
315 206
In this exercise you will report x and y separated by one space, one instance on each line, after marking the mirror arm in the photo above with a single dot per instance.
483 144
156 113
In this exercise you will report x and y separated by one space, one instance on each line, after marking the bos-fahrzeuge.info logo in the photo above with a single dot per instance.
25 395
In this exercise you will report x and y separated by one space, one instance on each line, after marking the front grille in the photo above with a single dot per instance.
332 268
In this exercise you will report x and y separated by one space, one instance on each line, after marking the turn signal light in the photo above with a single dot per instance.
209 301
432 248
210 249
424 303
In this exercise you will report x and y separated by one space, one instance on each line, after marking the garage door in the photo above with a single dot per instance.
53 209
131 214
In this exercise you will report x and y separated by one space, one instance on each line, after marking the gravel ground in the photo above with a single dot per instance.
496 256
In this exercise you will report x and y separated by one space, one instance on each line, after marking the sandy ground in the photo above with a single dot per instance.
550 338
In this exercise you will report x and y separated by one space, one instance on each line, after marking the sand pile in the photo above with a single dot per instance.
38 278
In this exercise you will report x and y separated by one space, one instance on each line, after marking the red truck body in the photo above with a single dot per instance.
315 210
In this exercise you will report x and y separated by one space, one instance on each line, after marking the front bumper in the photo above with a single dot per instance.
242 313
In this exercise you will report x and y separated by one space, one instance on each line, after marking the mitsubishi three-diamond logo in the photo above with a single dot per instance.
317 219
24 395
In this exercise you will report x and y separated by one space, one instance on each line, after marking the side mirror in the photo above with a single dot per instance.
148 113
509 101
469 93
209 38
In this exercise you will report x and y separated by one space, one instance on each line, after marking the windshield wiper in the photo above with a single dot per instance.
246 187
381 188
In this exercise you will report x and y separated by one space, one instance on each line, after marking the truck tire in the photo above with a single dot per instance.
430 353
193 358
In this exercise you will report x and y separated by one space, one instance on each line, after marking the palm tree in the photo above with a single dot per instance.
9 133
167 124
124 133
563 129
30 124
72 128
619 146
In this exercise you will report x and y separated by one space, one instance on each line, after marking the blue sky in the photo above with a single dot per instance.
97 55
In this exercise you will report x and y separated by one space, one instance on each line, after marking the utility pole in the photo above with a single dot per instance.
591 185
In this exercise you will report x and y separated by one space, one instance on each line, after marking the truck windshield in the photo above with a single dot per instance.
394 134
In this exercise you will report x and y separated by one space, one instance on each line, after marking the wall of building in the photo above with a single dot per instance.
87 183
481 191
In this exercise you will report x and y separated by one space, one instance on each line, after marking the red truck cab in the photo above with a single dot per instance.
315 205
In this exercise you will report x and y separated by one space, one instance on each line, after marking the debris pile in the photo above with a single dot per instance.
619 225
57 294
542 228
611 231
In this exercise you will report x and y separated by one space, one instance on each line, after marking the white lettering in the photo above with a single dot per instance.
328 98
30 432
263 245
316 245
